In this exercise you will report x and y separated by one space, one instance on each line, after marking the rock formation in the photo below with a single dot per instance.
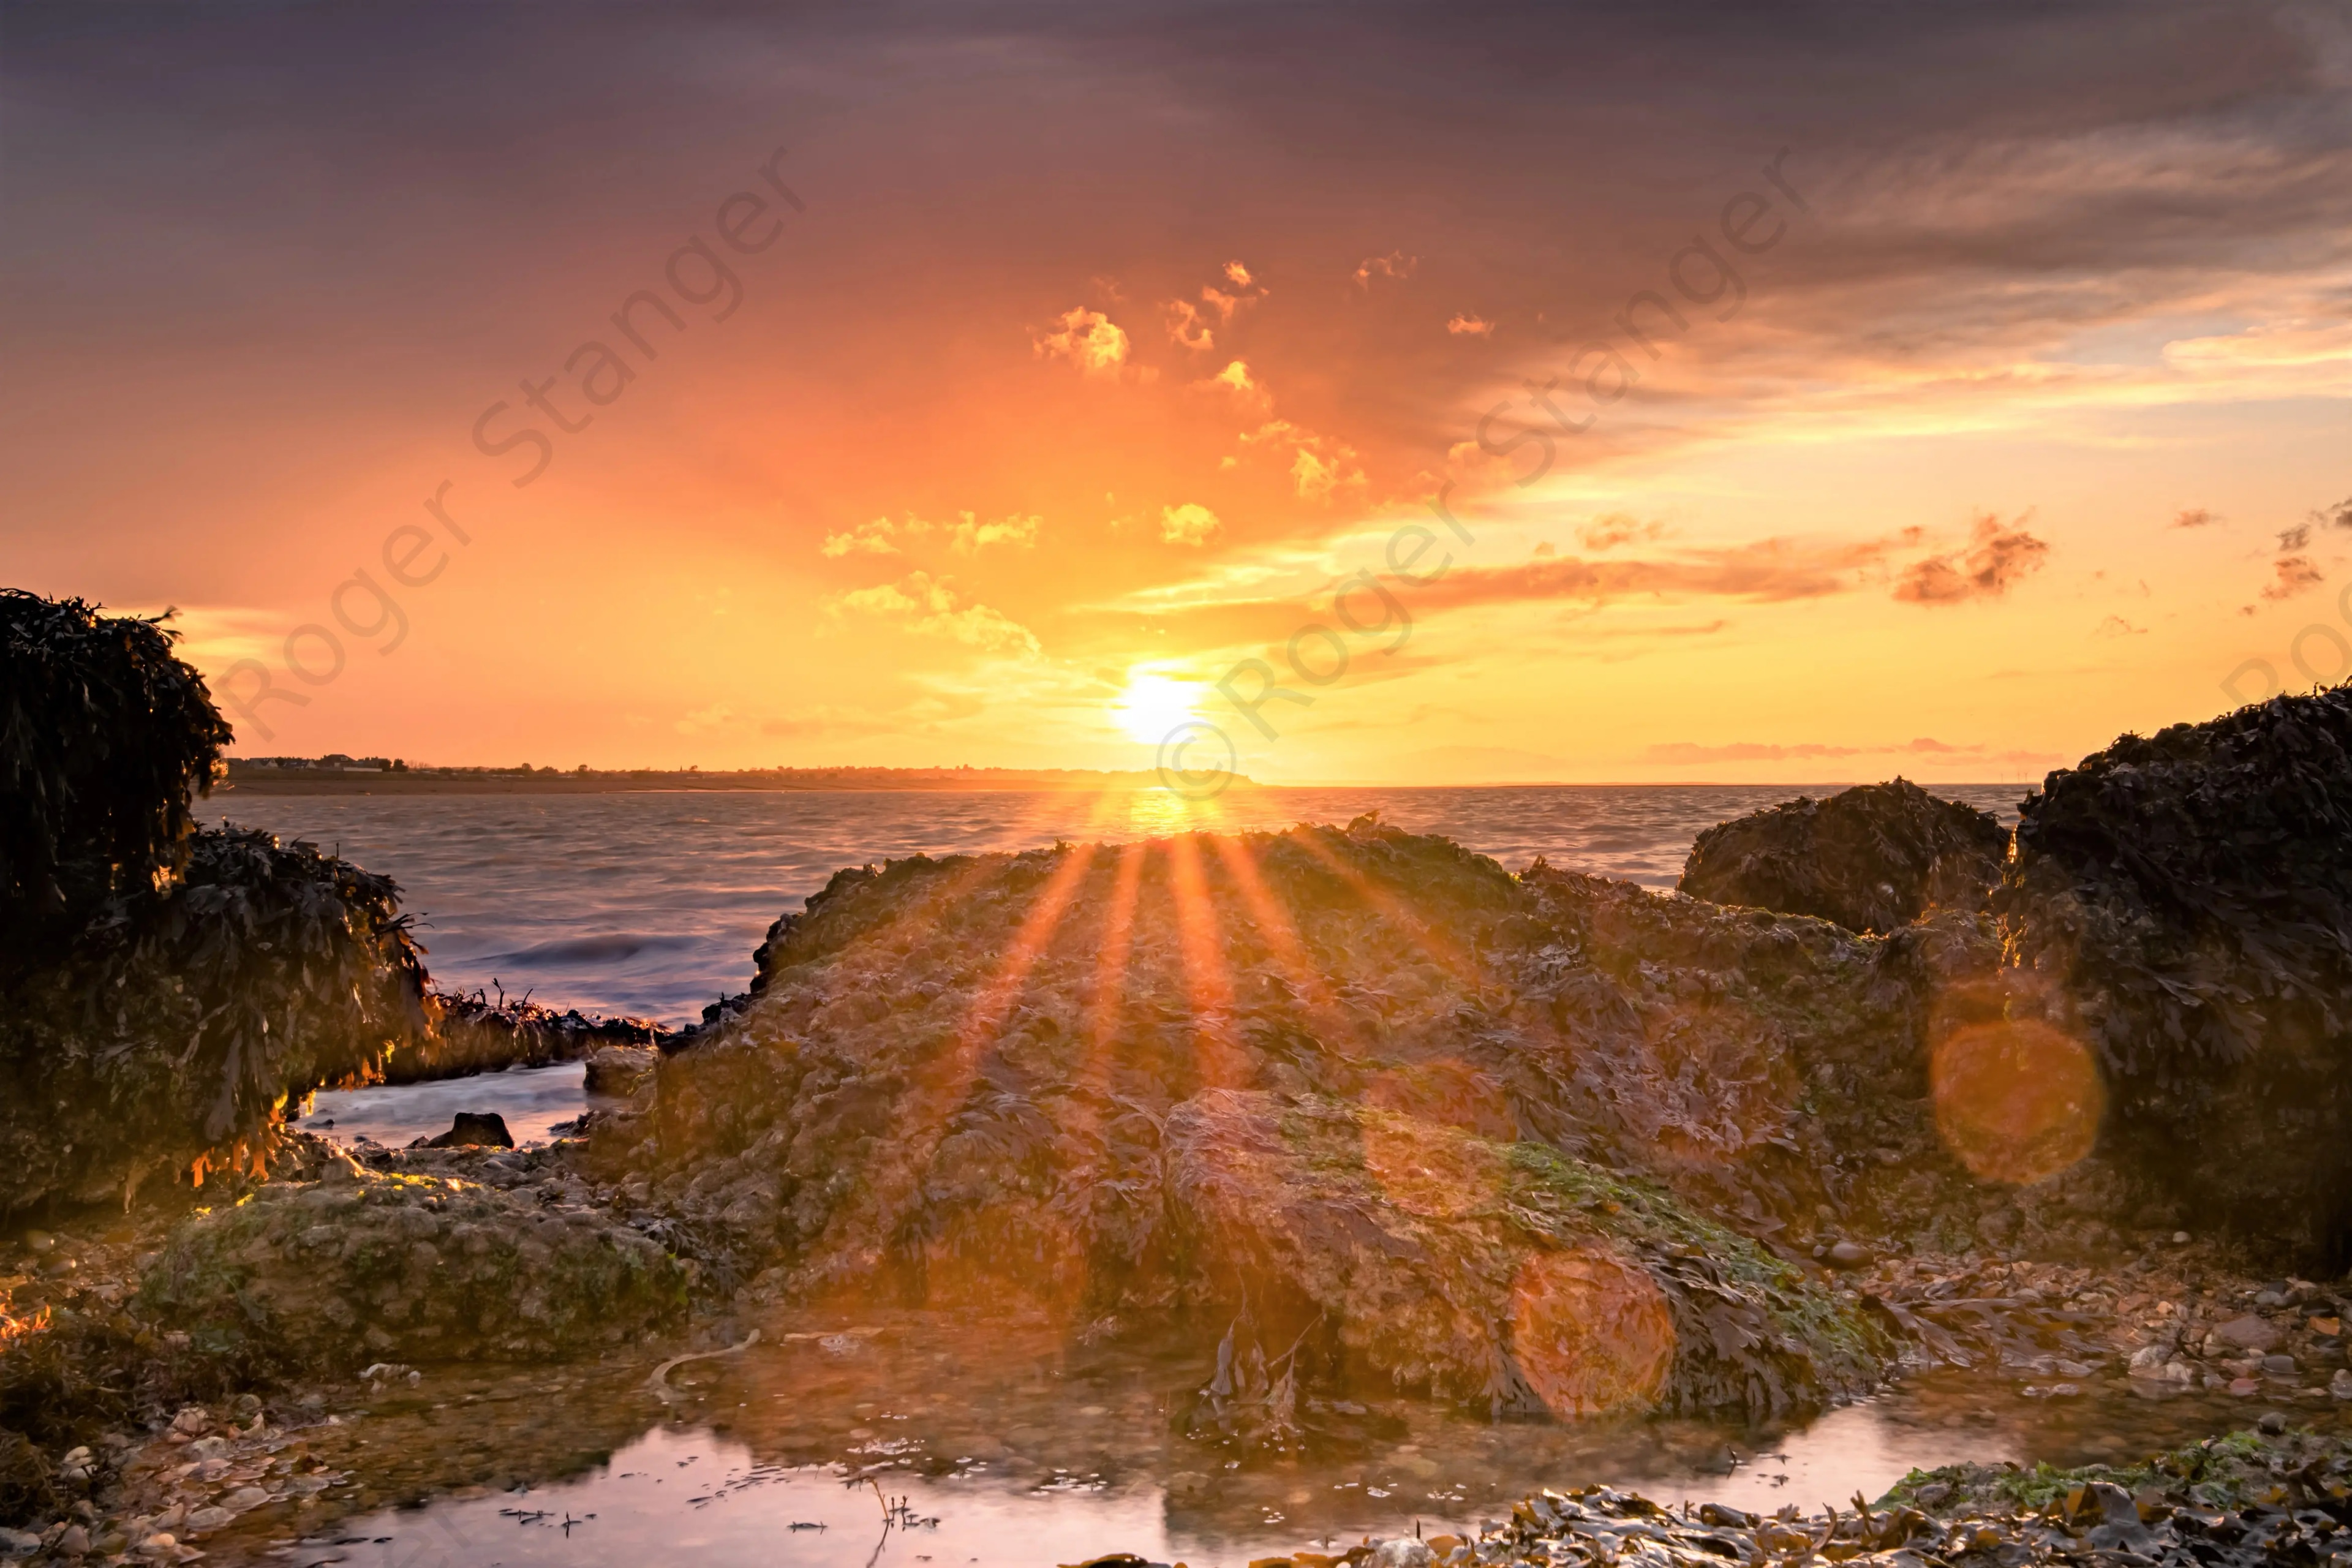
2188 897
163 990
1872 859
1357 1075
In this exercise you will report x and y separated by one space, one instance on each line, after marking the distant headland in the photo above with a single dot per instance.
338 775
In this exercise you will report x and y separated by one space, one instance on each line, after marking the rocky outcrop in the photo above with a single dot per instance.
2188 897
362 1265
161 1033
999 1077
162 990
1872 859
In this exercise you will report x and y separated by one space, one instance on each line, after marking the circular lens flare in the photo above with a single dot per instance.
1591 1333
2016 1101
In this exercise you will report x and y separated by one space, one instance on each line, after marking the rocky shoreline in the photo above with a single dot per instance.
1353 1114
2245 1499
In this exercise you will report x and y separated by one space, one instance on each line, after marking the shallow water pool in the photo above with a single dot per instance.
912 1437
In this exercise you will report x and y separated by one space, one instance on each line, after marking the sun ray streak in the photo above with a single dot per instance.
1282 937
1208 981
1441 949
920 1122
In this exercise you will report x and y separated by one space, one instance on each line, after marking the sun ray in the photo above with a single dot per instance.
1441 949
1282 937
919 1122
1208 981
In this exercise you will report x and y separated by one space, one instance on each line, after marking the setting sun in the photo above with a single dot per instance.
1153 704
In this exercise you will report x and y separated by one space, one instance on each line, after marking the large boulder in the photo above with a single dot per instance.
161 1031
997 1078
163 990
2189 897
1872 859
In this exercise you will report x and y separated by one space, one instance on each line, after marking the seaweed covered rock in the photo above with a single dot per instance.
2191 895
362 1265
965 1081
104 737
1871 859
163 990
1493 1270
164 1029
473 1034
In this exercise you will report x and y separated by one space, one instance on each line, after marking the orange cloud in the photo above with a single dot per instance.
1396 263
1236 378
1088 338
1997 559
1470 326
928 606
1320 465
1189 524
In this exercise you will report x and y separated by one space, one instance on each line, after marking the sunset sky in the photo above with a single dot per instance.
1001 377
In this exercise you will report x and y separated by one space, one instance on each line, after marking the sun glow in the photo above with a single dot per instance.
1152 705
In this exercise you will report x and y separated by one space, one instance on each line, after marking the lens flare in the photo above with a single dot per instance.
2016 1101
1593 1334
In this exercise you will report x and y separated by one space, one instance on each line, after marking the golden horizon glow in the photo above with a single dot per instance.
1998 449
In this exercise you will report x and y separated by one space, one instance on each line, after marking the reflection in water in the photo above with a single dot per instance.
1028 1446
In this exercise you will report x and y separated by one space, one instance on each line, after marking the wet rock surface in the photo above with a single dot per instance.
1872 859
2189 896
474 1129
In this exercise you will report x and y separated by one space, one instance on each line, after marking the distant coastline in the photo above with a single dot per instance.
378 776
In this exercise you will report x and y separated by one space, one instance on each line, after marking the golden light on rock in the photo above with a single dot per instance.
1431 1170
1593 1332
2016 1101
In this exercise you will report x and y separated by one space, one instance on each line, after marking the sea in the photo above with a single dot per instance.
649 903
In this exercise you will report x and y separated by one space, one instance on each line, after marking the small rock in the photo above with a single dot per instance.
475 1129
18 1542
1849 1255
1400 1551
2278 1367
205 1520
2341 1386
2249 1332
2179 1239
74 1543
2273 1423
2244 1387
